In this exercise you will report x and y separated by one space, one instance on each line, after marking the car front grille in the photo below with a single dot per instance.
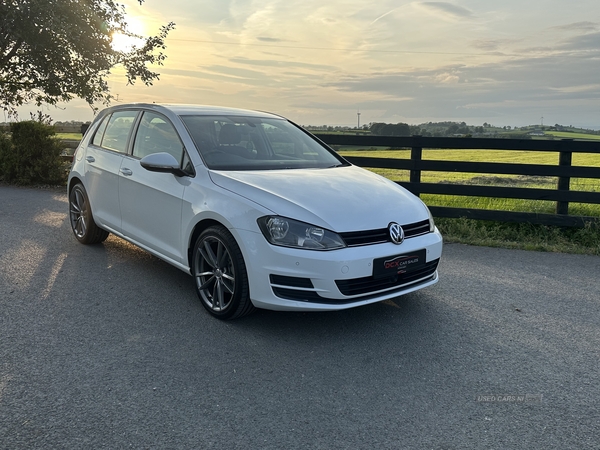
379 236
416 229
366 285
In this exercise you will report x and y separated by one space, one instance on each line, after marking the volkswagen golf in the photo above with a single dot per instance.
257 210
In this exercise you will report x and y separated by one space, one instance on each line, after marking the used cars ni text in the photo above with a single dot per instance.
260 212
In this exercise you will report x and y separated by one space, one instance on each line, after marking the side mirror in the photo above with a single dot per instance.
162 162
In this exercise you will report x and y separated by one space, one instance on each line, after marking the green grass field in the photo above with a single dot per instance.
567 135
69 136
523 157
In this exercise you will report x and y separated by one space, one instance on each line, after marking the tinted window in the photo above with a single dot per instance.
117 131
156 134
250 143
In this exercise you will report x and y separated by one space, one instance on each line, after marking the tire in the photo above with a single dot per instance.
82 222
220 274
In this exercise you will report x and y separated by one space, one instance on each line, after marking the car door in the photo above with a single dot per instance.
102 164
151 202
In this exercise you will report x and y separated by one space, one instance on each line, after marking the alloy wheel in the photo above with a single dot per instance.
78 213
215 273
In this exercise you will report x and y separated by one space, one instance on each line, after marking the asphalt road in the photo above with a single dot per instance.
109 347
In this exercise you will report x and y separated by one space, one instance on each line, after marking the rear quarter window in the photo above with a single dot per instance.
97 141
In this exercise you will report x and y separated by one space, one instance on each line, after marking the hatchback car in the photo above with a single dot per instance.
260 212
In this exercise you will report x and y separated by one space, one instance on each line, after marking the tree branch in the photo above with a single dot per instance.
6 58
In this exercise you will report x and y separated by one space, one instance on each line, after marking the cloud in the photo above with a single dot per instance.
383 15
447 78
487 44
270 39
221 75
448 9
281 63
589 41
520 87
578 26
581 88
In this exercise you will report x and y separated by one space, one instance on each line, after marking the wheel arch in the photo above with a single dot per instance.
197 231
72 182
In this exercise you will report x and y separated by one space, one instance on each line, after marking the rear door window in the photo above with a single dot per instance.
118 130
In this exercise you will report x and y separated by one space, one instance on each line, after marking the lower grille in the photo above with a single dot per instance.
291 281
302 290
298 295
366 285
283 288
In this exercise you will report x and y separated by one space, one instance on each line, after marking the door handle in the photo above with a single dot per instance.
90 159
125 171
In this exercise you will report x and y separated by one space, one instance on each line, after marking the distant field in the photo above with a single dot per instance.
566 135
492 179
504 156
69 135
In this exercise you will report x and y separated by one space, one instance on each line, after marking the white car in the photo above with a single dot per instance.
260 212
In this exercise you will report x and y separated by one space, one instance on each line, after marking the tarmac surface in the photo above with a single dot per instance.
109 347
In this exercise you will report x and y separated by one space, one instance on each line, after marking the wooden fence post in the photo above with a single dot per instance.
416 155
565 159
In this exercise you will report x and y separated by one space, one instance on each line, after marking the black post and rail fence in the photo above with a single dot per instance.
564 171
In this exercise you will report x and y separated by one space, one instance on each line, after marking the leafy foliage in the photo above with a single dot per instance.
388 129
31 155
56 50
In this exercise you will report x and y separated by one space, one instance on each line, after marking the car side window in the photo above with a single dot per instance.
117 131
97 141
156 134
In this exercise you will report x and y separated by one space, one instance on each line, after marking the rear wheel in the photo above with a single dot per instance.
80 214
220 274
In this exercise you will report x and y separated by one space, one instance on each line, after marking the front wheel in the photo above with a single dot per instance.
82 222
220 274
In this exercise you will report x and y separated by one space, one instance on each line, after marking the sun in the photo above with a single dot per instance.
121 42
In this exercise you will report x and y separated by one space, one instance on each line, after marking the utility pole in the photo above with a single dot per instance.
358 114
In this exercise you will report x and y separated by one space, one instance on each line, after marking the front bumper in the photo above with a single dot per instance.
288 279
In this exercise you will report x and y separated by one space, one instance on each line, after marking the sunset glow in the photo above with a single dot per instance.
504 63
124 43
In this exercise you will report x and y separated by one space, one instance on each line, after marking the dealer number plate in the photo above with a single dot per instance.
398 265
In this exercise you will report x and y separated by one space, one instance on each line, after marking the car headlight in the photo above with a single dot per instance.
292 233
431 222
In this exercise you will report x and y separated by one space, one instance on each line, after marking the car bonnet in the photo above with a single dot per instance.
340 199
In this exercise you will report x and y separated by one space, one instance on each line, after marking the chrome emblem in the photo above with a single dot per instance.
396 233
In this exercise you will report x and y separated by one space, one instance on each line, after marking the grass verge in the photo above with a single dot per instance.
524 236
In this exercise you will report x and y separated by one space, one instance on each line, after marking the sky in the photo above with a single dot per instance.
507 63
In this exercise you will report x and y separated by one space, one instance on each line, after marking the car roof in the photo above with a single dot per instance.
197 110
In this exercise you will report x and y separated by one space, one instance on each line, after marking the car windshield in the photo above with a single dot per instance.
252 143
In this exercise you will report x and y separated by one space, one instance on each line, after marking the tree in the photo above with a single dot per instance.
452 129
55 50
388 129
32 154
